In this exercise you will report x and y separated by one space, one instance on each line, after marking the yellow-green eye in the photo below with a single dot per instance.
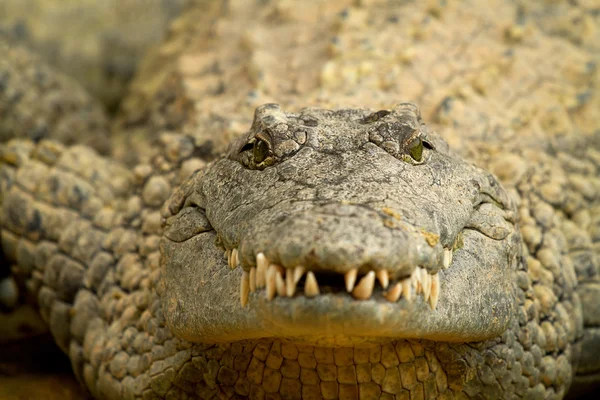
260 151
415 149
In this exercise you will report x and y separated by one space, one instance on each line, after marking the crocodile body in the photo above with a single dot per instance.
353 253
38 103
97 43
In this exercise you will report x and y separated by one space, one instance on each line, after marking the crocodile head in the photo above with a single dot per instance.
339 227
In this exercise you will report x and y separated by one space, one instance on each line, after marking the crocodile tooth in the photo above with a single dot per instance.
271 281
394 293
234 259
311 287
447 258
350 279
298 272
244 288
383 277
435 291
426 286
290 285
280 284
291 280
252 279
364 289
407 289
416 280
262 265
422 280
228 255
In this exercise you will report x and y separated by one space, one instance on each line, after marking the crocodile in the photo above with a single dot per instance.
329 252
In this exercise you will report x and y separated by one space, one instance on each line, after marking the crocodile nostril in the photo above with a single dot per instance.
374 117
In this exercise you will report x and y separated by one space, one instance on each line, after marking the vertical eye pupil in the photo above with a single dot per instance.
260 151
416 149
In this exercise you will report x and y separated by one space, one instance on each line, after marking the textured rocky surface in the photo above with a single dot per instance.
501 85
98 43
37 102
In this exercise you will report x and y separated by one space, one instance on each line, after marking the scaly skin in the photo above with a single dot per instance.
37 102
93 258
98 43
89 248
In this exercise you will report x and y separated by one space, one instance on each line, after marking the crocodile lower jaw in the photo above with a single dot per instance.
475 297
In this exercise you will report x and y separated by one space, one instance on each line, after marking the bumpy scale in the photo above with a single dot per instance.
327 254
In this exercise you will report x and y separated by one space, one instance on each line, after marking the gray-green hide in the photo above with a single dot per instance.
331 252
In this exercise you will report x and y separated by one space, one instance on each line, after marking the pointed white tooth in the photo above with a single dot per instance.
364 289
235 254
244 288
447 258
416 280
350 279
394 293
414 276
290 285
426 286
407 289
261 260
228 255
422 279
252 279
383 277
311 287
292 278
280 284
234 259
298 272
435 291
262 264
271 281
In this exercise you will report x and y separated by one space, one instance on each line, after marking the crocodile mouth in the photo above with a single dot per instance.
354 251
272 280
331 271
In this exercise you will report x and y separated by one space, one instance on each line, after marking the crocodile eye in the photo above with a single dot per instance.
260 151
256 154
415 149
